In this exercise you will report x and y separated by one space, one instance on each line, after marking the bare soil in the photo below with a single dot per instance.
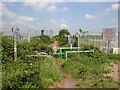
67 82
115 72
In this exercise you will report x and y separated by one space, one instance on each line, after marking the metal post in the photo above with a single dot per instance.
109 47
66 55
105 46
15 48
15 31
61 53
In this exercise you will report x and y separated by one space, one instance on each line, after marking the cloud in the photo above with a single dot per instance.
53 21
38 6
60 21
26 18
91 17
13 19
52 8
6 12
63 21
65 9
46 6
63 26
41 5
23 20
114 7
108 9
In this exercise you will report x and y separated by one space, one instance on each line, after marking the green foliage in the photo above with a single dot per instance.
90 68
31 73
28 72
113 57
24 49
41 44
89 47
62 37
62 41
63 32
7 49
72 67
56 38
41 47
42 39
99 82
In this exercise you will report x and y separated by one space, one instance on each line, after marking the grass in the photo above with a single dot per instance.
0 76
30 73
89 70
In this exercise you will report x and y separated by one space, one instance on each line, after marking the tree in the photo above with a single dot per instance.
82 31
63 37
63 32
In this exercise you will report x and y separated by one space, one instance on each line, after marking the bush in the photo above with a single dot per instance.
41 47
28 72
42 39
90 68
7 49
37 73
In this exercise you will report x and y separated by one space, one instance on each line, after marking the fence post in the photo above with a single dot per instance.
60 52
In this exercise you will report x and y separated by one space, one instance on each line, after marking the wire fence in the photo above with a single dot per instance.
90 38
24 34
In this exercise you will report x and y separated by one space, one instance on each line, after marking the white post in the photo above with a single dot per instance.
71 46
15 31
15 48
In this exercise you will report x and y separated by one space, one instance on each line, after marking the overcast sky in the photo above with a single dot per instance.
34 16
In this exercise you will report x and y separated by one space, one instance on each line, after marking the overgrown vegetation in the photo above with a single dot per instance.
32 72
62 37
90 68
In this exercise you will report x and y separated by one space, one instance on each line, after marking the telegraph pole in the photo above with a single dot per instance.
15 31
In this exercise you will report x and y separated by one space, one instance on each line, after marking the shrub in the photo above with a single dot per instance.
90 68
38 73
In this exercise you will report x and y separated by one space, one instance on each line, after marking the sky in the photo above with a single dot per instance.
32 16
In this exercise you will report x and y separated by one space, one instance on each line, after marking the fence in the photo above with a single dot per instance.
95 39
90 38
6 30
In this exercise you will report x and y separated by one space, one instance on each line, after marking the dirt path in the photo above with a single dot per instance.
55 46
115 72
67 82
